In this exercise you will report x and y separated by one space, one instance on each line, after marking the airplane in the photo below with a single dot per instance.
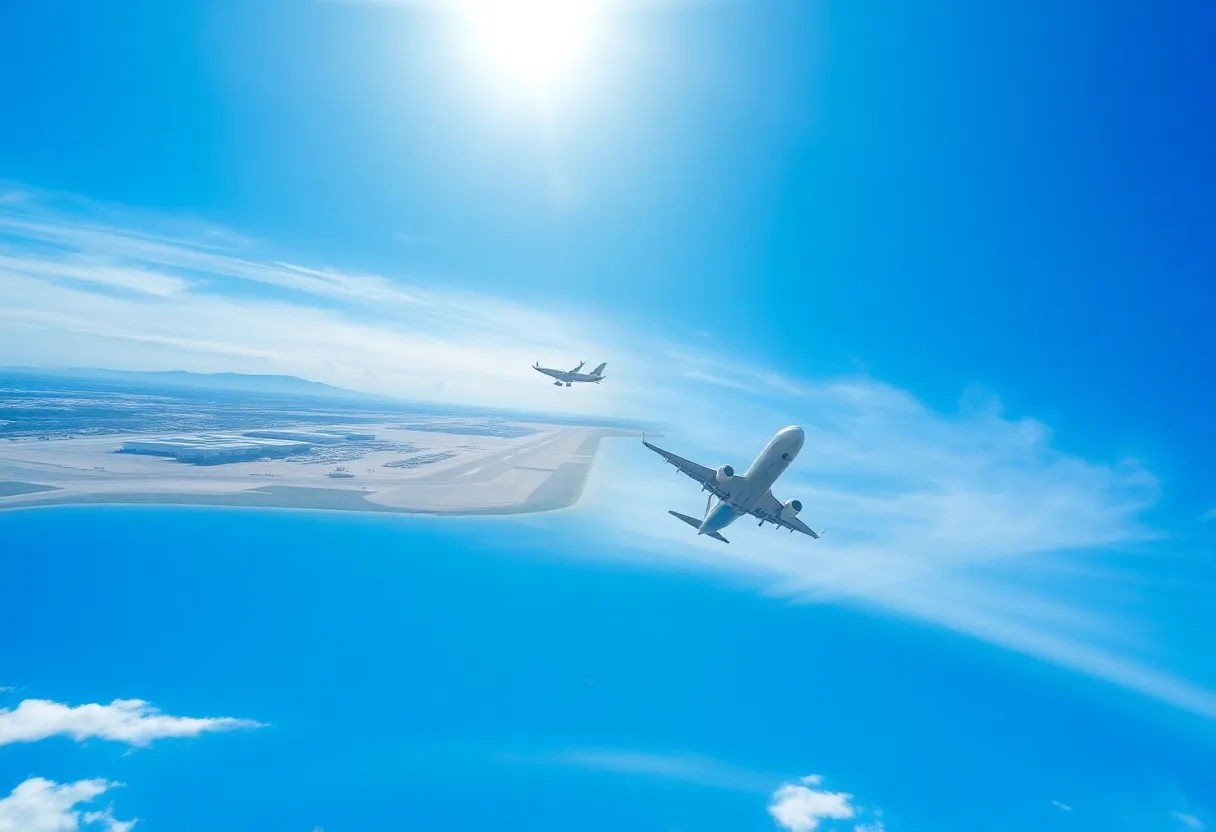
568 376
748 493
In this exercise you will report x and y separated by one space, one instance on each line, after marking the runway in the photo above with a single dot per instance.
470 474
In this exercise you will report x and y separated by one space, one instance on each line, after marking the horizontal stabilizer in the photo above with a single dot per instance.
696 524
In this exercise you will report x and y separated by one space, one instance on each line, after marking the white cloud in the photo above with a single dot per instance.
1189 821
131 721
970 519
76 289
800 808
39 805
1063 807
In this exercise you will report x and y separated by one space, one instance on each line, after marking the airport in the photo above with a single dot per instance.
416 468
214 449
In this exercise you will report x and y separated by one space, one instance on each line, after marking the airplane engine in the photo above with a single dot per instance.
791 508
725 474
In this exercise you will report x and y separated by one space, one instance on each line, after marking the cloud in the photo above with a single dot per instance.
141 293
800 808
1063 807
969 518
39 805
1189 821
1210 514
131 721
686 768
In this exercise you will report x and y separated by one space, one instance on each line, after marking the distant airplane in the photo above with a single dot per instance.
744 493
567 377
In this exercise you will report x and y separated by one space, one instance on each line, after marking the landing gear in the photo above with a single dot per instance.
557 384
567 384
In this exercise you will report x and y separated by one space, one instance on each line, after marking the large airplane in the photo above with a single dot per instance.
568 377
748 493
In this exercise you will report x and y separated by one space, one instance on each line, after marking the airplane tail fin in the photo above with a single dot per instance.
599 371
696 524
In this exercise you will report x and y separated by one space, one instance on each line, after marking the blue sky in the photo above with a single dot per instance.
967 248
424 673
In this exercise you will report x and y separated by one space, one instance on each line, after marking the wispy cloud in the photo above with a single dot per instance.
40 805
146 298
1189 821
130 721
686 768
971 519
1063 807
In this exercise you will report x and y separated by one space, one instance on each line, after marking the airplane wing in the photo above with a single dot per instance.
703 475
579 367
769 509
546 371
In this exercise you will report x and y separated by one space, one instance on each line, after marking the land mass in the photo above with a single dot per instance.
273 385
118 440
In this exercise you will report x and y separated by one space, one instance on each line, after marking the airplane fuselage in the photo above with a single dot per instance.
568 376
744 492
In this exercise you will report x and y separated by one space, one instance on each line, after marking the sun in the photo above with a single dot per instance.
535 47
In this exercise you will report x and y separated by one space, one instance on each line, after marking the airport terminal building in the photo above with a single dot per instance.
215 449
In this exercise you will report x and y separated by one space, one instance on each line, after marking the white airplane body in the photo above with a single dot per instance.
748 493
568 377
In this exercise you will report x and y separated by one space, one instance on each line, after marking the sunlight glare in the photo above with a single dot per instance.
537 47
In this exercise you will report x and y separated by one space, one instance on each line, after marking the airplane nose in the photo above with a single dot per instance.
796 433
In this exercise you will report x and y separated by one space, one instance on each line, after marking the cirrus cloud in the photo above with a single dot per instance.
972 519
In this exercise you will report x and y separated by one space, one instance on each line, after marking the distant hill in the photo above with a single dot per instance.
271 385
294 387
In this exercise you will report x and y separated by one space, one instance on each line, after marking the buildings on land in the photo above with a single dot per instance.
215 449
218 448
316 437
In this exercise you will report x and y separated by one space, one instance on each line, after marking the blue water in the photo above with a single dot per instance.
421 673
